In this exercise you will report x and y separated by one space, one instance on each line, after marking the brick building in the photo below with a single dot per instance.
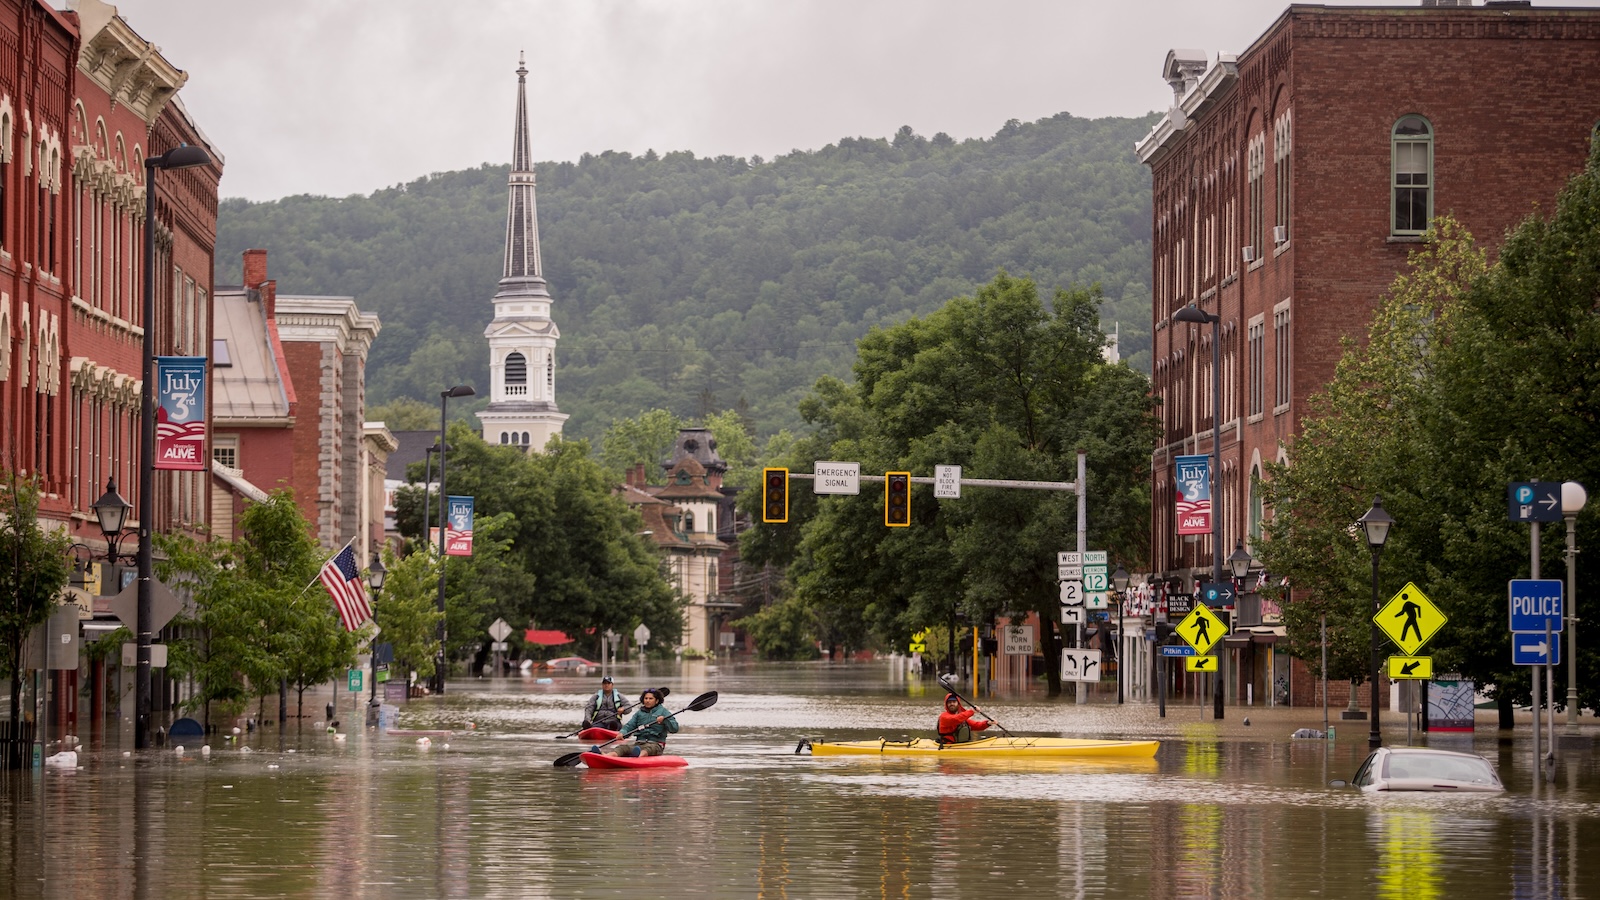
1290 182
83 100
290 387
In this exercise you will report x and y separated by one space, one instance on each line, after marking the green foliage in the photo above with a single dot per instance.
646 438
694 284
555 514
404 414
34 569
1473 377
783 631
406 610
261 616
1005 388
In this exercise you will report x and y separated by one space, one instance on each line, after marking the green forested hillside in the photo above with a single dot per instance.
697 284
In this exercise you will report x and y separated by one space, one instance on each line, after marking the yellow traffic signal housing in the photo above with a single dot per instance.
897 499
774 495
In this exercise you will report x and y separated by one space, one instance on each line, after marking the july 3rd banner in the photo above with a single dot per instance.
458 527
1194 494
181 413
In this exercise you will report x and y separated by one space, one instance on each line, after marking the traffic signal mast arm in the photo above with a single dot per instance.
970 482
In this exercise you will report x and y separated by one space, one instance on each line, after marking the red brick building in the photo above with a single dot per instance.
1289 184
83 100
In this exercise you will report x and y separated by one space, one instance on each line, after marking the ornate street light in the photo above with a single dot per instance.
1119 582
1376 523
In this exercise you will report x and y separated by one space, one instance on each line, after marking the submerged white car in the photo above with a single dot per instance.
1422 769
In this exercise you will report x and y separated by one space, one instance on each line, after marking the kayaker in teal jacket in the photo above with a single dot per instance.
650 725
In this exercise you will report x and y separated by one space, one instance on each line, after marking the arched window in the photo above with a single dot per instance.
516 368
1257 511
525 440
514 438
688 523
505 438
1411 177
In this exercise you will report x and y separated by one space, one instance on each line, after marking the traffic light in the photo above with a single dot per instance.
774 495
897 499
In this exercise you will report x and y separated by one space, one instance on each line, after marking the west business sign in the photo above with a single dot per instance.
1194 494
181 413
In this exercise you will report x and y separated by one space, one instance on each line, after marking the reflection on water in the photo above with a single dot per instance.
1223 811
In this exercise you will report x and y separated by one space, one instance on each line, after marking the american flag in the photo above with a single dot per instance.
343 582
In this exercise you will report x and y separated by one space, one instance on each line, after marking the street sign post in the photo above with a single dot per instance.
1409 619
1071 593
1080 665
1202 629
1072 615
1416 668
1217 593
1534 501
947 482
1535 604
1177 650
1534 650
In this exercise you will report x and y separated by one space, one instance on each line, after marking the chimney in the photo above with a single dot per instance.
636 476
255 267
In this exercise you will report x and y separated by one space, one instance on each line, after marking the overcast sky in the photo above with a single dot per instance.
340 97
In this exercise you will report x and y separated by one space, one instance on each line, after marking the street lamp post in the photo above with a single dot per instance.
1376 523
1573 499
1194 315
460 390
1119 581
1238 566
183 156
376 573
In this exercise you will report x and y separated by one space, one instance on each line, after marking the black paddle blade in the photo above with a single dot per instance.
704 701
570 759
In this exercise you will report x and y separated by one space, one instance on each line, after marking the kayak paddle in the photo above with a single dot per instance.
973 705
704 701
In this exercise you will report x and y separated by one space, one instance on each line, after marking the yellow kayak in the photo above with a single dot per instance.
989 748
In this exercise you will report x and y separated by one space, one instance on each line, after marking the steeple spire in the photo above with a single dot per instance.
522 338
522 211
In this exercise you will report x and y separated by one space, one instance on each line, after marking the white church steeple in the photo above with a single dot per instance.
522 338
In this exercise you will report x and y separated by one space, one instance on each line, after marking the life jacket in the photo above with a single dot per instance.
606 714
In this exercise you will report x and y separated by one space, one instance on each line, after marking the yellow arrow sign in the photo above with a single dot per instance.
1409 619
1200 664
1202 629
1419 668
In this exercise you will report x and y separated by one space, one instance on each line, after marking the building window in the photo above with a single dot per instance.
516 369
1280 349
525 441
220 357
225 451
1412 175
1257 173
1257 335
1257 510
1281 142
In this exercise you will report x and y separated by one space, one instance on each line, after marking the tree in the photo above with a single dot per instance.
406 611
1473 377
33 575
1007 389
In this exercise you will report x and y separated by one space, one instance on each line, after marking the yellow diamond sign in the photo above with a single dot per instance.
1409 619
1202 629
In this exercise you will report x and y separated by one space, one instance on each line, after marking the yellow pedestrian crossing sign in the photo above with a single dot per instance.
1200 664
1202 629
1409 619
1416 668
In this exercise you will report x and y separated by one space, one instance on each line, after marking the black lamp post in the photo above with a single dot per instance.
460 390
1194 315
376 573
1375 522
183 156
1119 581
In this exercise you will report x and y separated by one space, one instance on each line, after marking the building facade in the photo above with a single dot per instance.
1290 183
522 337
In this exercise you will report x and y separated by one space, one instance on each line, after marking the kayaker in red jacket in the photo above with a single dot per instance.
955 724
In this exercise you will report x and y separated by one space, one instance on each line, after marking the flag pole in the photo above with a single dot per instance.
325 564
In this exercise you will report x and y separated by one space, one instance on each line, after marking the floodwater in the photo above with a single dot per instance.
1225 810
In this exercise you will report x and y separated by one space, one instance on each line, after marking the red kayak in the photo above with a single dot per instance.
596 734
601 761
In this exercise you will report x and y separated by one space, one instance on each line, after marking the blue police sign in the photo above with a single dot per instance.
1535 603
1534 501
1534 650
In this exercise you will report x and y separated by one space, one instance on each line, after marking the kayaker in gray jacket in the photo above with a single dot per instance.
650 725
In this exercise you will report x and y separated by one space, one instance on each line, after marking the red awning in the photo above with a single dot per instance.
545 638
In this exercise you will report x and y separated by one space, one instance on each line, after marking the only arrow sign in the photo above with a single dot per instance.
1529 651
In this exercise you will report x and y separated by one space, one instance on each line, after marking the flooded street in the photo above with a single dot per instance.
1225 810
